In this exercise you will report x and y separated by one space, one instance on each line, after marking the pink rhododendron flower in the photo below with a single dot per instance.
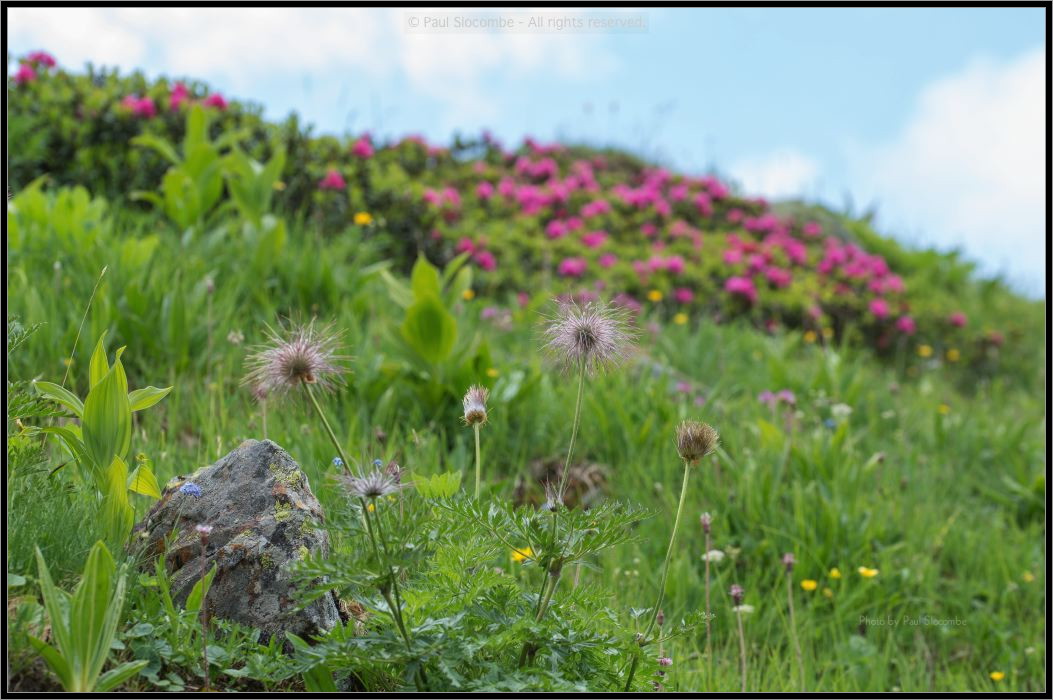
732 256
215 100
812 229
333 180
778 276
957 319
879 307
362 148
465 245
485 259
594 239
41 58
556 229
484 190
572 267
596 208
522 298
140 107
574 223
674 264
179 96
741 286
734 216
649 229
431 197
678 193
906 325
684 295
704 204
452 197
26 74
608 260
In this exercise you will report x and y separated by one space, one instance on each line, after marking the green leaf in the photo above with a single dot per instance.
142 480
14 580
72 443
319 679
58 665
424 279
430 329
158 144
199 591
62 396
98 366
108 418
438 486
117 511
114 677
146 397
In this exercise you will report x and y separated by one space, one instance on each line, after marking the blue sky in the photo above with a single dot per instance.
935 117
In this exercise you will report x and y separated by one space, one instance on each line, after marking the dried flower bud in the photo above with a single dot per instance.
695 440
707 522
665 661
660 619
475 405
788 561
737 593
204 531
394 471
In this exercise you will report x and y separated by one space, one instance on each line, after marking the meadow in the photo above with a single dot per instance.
880 412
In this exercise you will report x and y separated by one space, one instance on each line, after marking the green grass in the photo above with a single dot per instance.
947 504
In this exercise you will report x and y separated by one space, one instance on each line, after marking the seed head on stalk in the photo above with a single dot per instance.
294 356
595 336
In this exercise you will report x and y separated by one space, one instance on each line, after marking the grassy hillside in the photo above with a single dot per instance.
902 464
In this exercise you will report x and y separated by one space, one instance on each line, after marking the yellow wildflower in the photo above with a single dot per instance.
867 573
278 185
492 372
835 573
997 676
828 593
468 294
371 507
810 337
809 585
924 351
828 333
680 319
953 355
654 295
944 409
520 555
363 218
1028 577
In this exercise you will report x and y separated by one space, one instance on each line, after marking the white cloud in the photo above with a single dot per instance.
240 46
968 169
784 173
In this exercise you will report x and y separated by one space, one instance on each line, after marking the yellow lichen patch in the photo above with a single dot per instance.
289 477
282 512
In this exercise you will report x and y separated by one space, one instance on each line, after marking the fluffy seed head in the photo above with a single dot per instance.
475 405
296 356
375 484
594 336
695 440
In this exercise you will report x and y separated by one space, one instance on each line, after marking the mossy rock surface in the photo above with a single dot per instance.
263 517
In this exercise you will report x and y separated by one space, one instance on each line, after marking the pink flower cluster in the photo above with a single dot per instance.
140 106
34 63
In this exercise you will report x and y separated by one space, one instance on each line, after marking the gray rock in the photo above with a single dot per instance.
264 518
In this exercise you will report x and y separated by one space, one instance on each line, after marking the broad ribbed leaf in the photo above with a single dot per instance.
146 397
62 396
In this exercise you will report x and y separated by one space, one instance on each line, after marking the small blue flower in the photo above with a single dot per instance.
337 462
378 463
830 423
191 489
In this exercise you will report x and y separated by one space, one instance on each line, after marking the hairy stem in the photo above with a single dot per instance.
742 650
709 646
665 574
478 463
328 428
793 628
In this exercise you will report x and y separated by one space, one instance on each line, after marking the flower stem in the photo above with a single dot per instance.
203 614
478 463
709 646
328 428
742 649
793 629
665 575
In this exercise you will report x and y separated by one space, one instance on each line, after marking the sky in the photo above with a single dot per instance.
931 118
